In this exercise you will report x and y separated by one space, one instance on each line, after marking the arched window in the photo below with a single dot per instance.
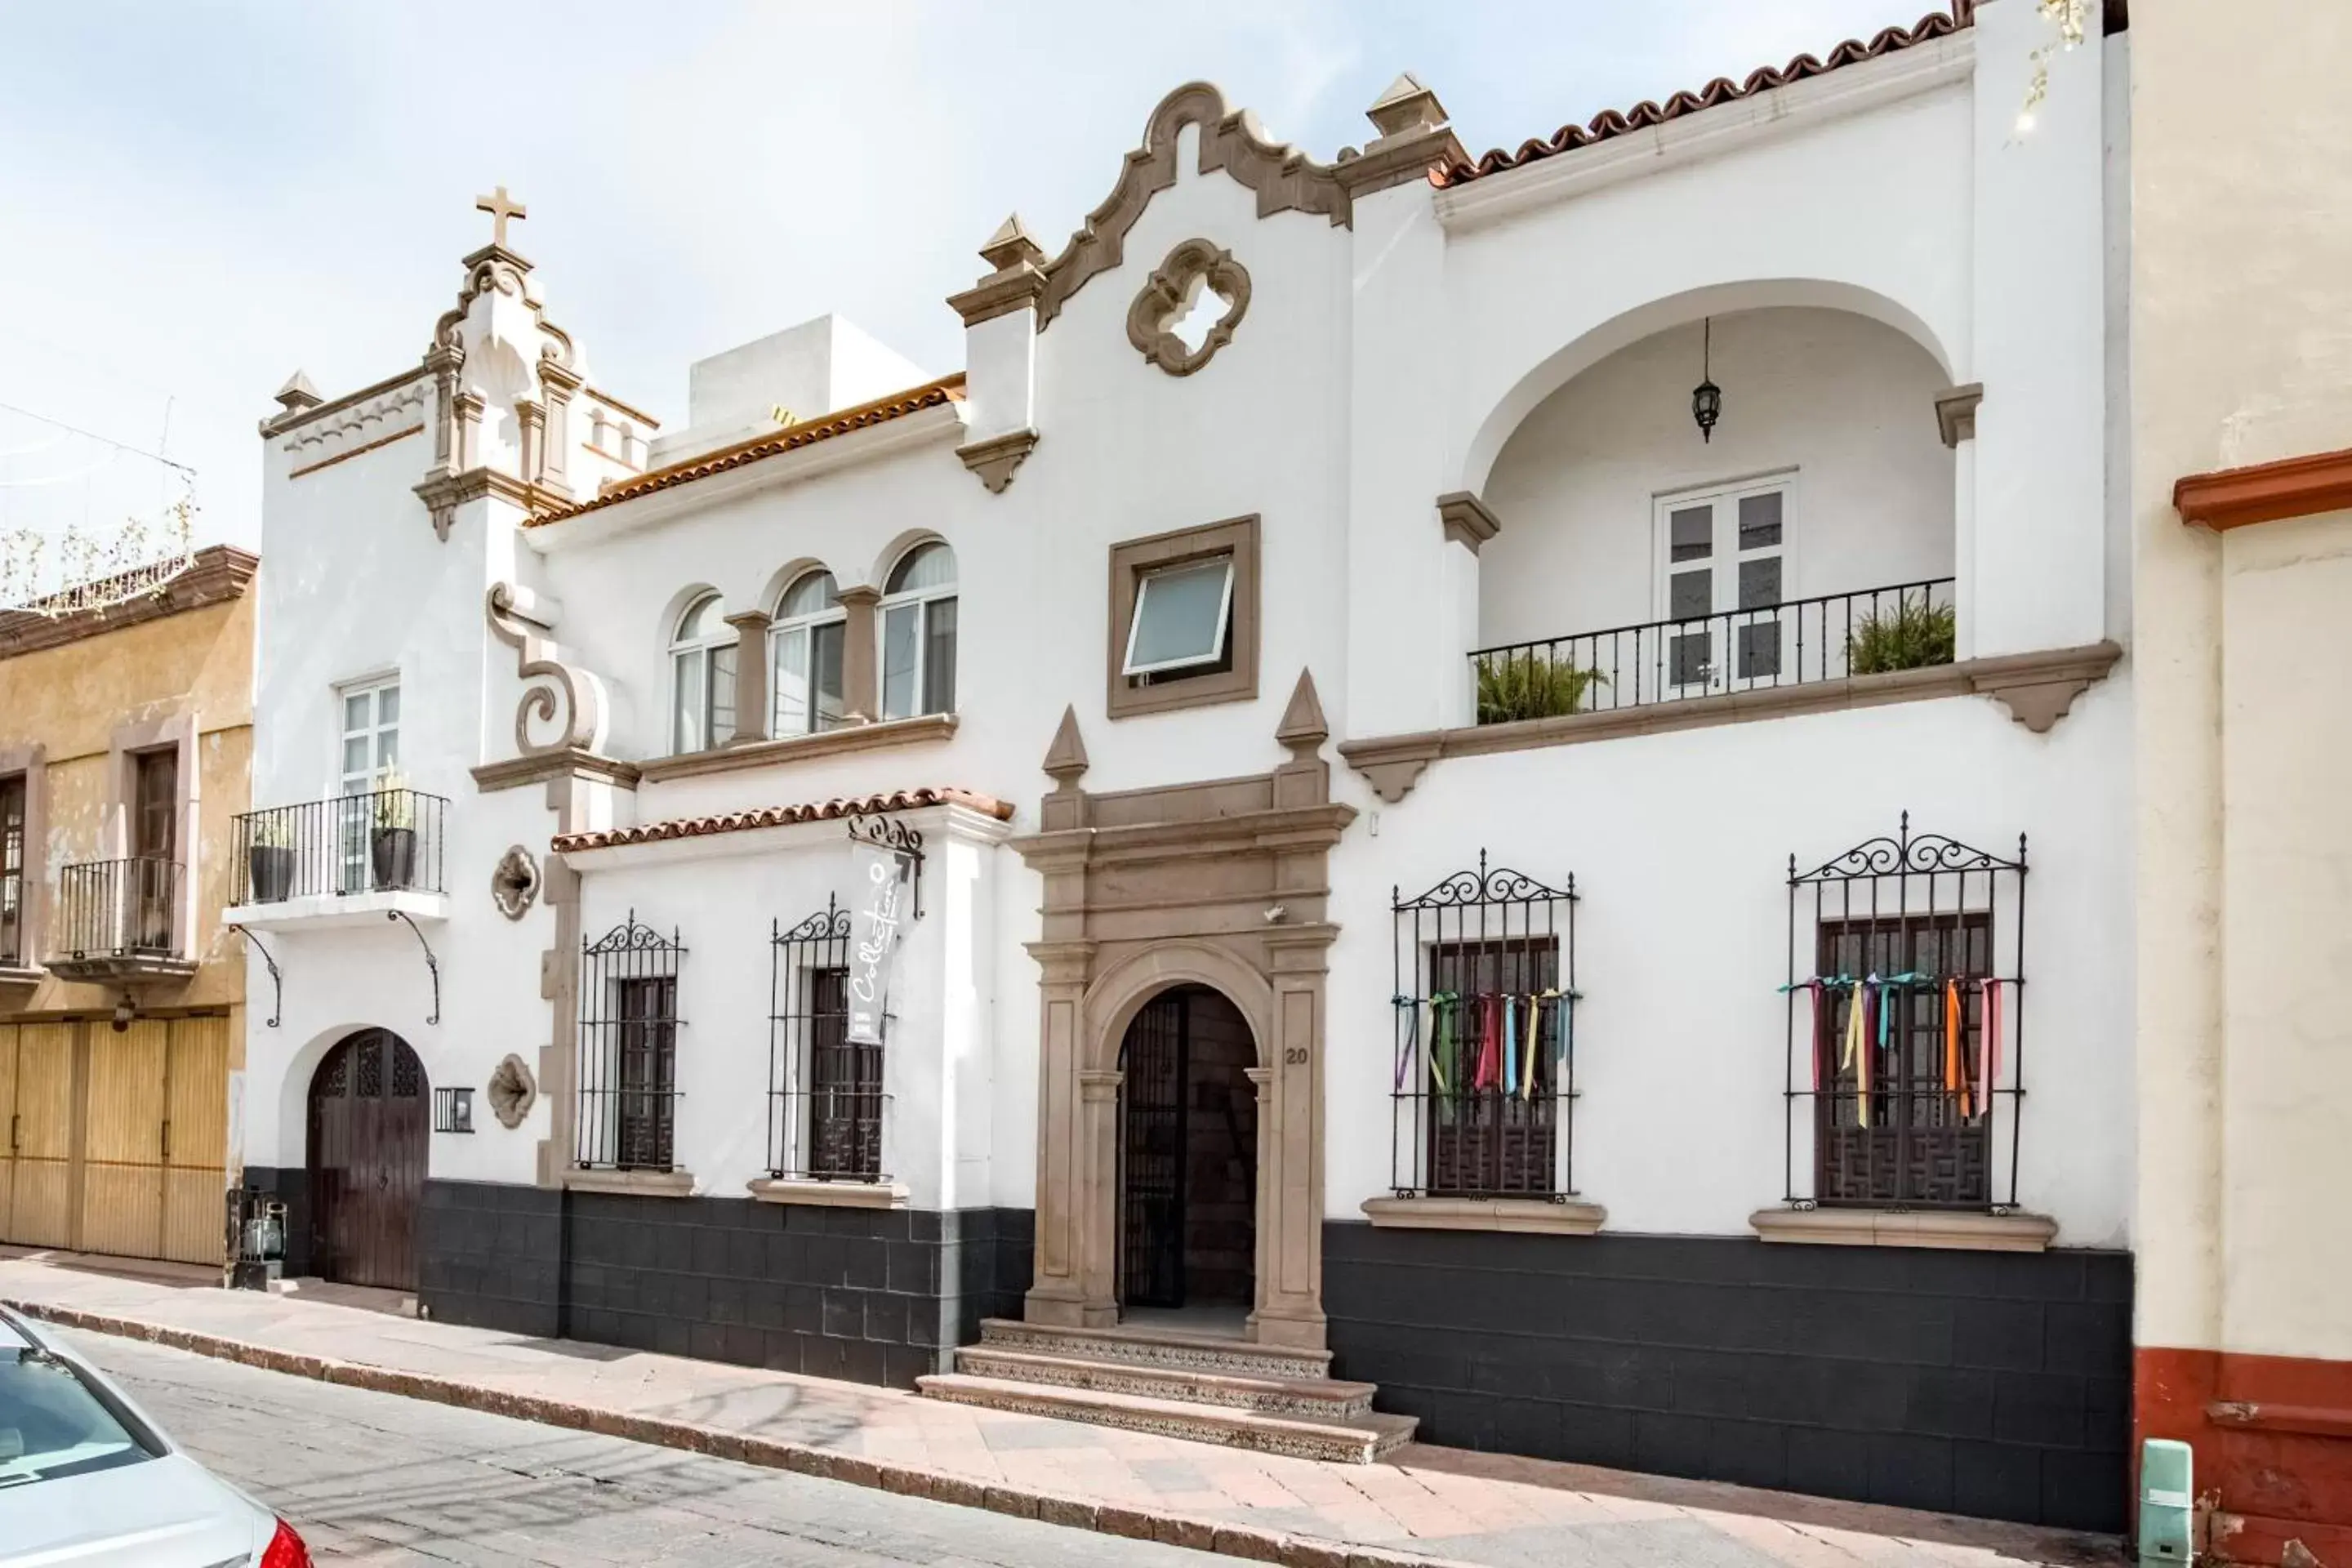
806 643
702 678
918 634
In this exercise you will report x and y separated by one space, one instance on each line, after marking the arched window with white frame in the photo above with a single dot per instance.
918 634
805 645
702 678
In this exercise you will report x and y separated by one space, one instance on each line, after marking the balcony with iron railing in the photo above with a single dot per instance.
121 921
1869 631
351 858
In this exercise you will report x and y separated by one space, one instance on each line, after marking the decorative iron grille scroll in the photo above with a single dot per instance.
1907 1036
1484 1066
628 1048
824 1092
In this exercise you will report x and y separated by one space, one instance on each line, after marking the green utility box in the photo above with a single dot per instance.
2167 1493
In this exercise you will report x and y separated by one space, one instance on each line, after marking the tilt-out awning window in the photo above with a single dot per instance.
1180 617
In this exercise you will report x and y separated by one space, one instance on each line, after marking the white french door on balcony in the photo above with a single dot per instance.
369 754
1722 567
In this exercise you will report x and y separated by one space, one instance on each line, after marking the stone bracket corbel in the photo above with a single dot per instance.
995 458
1956 412
515 621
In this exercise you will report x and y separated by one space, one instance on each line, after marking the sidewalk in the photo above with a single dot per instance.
1425 1505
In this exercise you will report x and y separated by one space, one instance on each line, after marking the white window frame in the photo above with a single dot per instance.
923 598
1722 498
805 626
704 649
1128 666
371 687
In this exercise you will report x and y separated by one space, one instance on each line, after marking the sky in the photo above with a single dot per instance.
199 196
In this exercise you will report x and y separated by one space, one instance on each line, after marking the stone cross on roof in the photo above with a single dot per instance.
500 207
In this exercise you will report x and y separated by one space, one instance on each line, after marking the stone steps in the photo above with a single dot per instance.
1274 1399
1359 1442
1317 1399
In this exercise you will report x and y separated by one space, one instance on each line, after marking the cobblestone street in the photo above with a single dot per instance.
378 1479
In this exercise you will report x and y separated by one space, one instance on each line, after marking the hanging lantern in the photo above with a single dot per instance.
1707 398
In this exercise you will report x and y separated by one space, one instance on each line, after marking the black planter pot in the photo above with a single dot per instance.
394 850
270 868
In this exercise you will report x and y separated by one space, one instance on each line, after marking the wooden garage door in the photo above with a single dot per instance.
11 1128
40 1202
155 1152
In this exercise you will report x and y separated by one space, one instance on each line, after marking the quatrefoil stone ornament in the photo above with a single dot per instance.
1185 290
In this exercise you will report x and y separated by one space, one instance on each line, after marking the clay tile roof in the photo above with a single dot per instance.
1613 122
791 438
782 817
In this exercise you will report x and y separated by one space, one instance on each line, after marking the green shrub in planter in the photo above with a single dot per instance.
1912 636
1511 689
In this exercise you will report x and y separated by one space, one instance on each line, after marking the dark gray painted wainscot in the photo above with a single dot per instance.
1995 1384
878 1296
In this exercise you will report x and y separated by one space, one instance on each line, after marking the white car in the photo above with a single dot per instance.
88 1481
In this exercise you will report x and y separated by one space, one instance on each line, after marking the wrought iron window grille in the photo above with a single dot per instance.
826 1099
1485 1062
628 1048
1914 1103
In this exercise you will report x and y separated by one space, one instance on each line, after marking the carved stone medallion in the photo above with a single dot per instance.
1187 289
515 883
513 1091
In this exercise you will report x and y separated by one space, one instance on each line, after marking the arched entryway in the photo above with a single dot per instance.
368 1128
1188 1159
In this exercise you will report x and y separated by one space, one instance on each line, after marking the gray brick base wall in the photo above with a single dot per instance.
1997 1384
874 1296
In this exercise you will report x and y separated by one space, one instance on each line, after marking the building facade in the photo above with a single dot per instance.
125 735
1490 778
2240 531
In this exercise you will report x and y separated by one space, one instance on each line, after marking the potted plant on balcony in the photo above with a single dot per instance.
393 846
1512 688
1913 635
269 858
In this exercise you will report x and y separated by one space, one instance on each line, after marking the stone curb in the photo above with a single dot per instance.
886 1475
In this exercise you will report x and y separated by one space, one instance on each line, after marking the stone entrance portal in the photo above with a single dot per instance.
1219 885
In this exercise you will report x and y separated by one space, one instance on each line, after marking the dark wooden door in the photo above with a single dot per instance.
368 1128
1154 1061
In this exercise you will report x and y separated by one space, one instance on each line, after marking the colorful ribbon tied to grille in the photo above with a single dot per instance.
1442 1008
1857 1052
1956 1078
1535 1044
1490 1043
1409 1044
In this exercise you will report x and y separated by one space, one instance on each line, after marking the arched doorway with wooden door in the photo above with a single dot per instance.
1188 1162
368 1126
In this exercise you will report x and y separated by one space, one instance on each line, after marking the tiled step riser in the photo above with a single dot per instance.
1238 1359
1158 1383
1348 1450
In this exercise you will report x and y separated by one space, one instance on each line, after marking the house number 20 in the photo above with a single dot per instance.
1295 1056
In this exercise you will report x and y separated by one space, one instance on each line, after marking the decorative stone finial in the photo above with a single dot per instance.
1066 759
297 394
1303 726
1011 245
1405 107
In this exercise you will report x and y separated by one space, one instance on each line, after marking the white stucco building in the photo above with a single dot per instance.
1298 539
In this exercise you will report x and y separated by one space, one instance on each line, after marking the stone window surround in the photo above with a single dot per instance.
1130 559
174 732
32 763
1957 1230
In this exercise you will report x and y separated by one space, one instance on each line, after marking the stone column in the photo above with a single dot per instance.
1290 1146
531 418
751 704
1056 1294
469 406
1097 1195
558 384
861 692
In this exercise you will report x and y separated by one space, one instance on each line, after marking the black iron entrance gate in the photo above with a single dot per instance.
1156 1060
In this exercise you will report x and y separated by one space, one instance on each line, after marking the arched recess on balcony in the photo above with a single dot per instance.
1526 390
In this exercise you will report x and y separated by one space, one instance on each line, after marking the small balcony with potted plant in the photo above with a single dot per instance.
356 858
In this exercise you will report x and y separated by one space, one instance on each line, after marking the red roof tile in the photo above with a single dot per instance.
782 817
791 438
1611 123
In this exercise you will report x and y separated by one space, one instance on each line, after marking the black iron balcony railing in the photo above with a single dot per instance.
120 908
386 840
1871 631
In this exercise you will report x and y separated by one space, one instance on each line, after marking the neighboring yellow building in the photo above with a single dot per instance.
126 743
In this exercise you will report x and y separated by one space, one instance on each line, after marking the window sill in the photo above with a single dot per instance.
1535 1217
830 1194
736 756
1909 1227
642 1183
